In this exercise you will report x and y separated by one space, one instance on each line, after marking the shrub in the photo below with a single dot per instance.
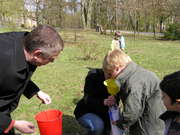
172 32
89 50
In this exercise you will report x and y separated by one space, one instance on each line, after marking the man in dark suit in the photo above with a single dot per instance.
20 54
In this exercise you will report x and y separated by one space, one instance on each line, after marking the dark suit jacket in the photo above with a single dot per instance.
15 74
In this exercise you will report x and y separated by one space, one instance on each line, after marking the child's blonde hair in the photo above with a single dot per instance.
115 58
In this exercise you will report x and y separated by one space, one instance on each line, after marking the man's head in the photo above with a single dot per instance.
170 85
114 62
42 45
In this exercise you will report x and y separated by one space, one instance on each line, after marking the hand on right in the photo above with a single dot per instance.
24 126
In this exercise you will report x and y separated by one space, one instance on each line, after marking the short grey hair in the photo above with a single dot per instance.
46 38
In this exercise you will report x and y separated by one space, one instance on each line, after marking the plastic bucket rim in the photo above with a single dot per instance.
60 114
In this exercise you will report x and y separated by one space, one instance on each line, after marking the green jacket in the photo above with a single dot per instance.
142 103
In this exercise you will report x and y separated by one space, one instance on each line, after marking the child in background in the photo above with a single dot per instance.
170 87
118 42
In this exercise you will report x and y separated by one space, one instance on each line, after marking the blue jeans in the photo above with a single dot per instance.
93 123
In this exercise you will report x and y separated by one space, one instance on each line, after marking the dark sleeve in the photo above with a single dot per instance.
4 122
169 115
94 91
31 89
117 97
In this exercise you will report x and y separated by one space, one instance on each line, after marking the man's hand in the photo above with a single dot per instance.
24 126
45 98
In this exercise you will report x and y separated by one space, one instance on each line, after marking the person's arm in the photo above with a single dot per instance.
132 107
6 123
122 40
45 98
31 90
112 45
24 126
92 95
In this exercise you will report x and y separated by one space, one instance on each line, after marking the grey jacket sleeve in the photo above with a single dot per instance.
133 107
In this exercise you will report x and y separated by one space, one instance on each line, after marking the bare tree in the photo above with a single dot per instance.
86 9
9 16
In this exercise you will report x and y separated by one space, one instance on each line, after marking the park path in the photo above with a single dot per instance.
138 33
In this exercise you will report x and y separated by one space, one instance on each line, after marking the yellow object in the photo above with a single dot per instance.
112 86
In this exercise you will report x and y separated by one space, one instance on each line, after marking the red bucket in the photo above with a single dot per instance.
50 122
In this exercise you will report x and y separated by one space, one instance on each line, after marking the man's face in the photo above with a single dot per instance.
169 104
40 60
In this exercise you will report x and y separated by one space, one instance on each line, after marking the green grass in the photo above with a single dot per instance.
64 79
10 28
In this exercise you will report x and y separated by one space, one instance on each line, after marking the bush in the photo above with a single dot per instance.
173 32
89 50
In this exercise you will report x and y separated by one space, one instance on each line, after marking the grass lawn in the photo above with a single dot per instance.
63 80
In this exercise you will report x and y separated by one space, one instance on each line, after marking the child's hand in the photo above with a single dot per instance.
113 122
110 101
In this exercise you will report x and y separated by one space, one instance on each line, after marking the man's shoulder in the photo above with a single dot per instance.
12 34
10 46
11 37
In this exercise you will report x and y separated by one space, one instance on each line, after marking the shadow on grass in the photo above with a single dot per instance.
71 126
75 101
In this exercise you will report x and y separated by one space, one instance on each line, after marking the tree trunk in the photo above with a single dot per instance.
86 9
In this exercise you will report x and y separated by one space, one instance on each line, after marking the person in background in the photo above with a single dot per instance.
118 42
20 54
97 27
92 110
139 92
170 86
